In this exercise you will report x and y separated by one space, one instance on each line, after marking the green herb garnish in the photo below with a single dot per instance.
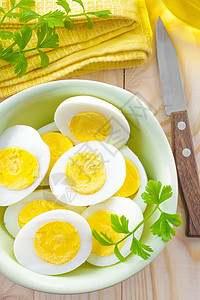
155 194
45 27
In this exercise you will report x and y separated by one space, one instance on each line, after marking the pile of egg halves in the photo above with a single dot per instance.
65 180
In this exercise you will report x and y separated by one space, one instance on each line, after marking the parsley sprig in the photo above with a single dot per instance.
45 27
155 195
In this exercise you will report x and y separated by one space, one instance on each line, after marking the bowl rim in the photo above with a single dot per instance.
27 282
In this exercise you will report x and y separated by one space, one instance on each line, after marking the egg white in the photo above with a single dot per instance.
27 138
115 174
120 206
127 153
24 247
12 212
120 129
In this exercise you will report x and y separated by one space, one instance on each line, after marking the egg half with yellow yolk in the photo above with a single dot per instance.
54 242
99 218
88 173
20 213
136 178
86 118
24 161
58 144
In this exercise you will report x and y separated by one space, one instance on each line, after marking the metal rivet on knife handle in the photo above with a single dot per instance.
181 125
186 152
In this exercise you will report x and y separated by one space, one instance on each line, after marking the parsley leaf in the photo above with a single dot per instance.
118 254
174 219
163 228
50 41
27 15
119 224
11 57
47 38
6 35
166 193
23 36
44 59
69 24
12 15
154 195
26 3
21 66
153 190
107 238
64 4
101 240
53 19
140 249
124 222
41 34
89 23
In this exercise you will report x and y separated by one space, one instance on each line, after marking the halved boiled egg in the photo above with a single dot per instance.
136 178
86 118
99 218
24 161
54 242
88 173
20 213
58 144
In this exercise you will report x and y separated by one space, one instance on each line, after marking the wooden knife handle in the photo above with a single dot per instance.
187 171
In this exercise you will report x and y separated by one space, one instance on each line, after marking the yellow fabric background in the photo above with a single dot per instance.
125 40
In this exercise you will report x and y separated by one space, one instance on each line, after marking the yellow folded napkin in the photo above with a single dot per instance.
122 41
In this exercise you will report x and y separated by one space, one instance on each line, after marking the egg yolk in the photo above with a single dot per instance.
90 126
101 222
18 168
132 181
58 145
34 209
57 242
85 173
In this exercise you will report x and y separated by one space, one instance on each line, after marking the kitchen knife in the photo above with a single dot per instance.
182 144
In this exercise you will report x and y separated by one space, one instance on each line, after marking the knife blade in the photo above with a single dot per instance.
182 144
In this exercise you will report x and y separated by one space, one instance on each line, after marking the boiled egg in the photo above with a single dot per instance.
20 213
86 118
99 218
54 242
136 178
58 144
88 173
24 161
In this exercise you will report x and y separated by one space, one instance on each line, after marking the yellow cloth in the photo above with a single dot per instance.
120 42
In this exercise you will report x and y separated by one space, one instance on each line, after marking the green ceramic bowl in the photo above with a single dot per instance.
36 107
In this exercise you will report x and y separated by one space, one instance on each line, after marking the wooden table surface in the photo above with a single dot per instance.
175 273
